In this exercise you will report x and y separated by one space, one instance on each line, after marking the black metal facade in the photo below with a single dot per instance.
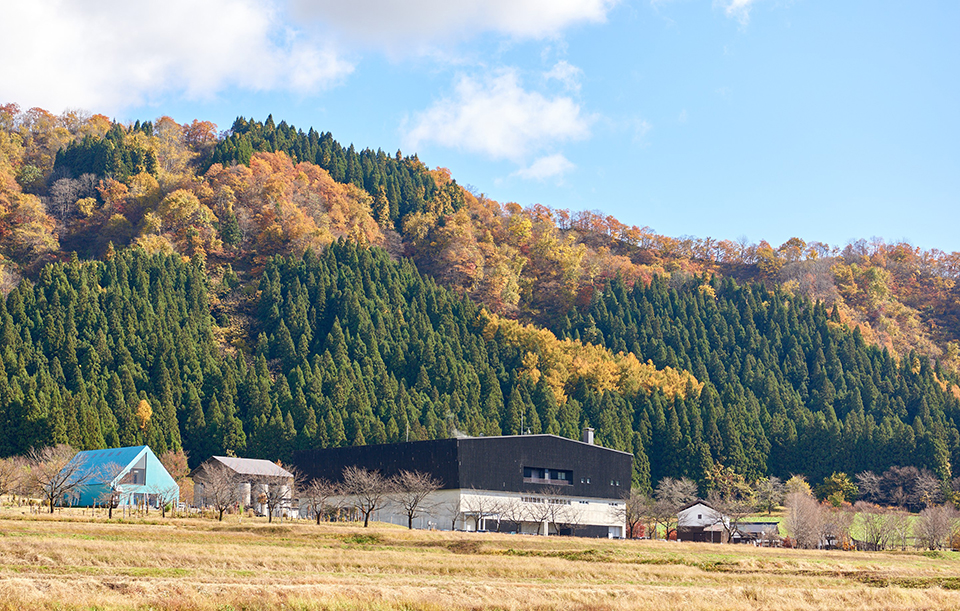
439 458
486 463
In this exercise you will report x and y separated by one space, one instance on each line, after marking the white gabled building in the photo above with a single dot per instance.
252 477
698 521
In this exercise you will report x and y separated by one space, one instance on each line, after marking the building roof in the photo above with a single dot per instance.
252 466
694 504
102 461
541 435
106 470
757 527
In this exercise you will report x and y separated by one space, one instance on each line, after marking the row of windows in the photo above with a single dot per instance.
537 475
541 500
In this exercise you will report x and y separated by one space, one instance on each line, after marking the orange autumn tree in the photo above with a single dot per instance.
287 207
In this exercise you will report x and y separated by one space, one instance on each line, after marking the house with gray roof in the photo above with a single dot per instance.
252 481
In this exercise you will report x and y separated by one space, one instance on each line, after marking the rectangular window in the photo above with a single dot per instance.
555 477
136 477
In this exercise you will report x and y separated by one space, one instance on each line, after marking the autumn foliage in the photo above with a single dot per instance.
260 290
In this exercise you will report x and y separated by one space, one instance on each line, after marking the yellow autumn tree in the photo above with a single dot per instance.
144 413
565 363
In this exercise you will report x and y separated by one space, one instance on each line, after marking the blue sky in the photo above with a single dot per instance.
762 119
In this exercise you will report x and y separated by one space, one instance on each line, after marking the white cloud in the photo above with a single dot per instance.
566 73
546 167
106 55
413 23
641 127
497 117
737 9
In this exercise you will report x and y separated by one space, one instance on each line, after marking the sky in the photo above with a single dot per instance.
756 119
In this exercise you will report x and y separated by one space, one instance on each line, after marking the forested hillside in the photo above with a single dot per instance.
787 388
352 348
265 289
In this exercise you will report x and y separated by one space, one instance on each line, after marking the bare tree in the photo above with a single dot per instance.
636 507
537 509
219 486
57 472
481 506
677 492
369 489
11 472
929 491
573 517
868 483
909 487
672 495
511 510
901 528
560 508
165 495
23 485
411 489
732 507
63 194
769 494
874 524
317 494
106 475
837 522
175 462
936 526
276 491
456 510
804 520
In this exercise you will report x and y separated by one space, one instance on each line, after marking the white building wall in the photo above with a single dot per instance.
697 516
460 510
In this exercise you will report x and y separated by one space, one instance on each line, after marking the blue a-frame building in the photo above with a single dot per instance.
135 475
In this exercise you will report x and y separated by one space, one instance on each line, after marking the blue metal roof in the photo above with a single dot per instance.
115 464
95 460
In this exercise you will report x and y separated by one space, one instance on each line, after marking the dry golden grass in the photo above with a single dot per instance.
74 562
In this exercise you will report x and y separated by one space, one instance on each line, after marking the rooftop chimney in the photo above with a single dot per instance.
587 436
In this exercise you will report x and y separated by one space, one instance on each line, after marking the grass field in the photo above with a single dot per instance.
68 562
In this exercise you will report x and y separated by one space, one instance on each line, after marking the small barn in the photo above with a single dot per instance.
131 476
699 521
250 479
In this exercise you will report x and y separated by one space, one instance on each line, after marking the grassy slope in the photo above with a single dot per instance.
75 563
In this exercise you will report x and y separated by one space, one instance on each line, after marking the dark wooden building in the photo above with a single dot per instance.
514 473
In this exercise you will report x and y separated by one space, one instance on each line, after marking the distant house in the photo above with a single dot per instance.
759 532
699 521
132 476
529 484
252 478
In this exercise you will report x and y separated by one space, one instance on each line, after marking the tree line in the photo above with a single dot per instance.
344 347
787 388
399 185
753 376
347 347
